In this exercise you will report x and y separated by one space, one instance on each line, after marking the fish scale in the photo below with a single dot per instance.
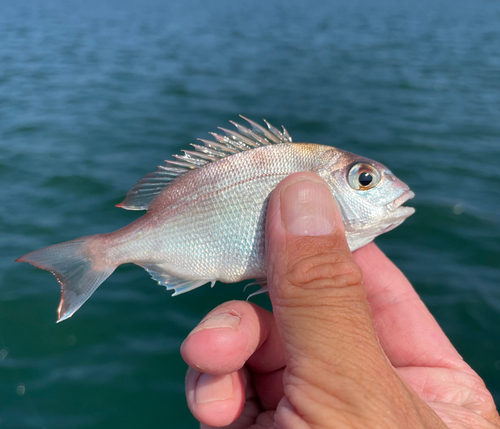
219 211
206 210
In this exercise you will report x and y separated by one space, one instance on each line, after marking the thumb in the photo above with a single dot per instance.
331 349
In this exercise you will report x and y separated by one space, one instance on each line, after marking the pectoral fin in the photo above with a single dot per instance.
262 282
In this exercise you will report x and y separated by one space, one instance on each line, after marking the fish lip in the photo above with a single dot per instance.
399 201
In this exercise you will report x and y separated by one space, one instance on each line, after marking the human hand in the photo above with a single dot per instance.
337 352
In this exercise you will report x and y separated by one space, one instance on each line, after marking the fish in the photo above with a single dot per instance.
206 209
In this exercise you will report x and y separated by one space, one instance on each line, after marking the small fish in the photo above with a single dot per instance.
206 212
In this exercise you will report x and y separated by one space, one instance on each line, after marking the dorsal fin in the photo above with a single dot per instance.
148 188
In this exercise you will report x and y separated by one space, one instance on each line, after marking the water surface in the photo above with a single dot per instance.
94 95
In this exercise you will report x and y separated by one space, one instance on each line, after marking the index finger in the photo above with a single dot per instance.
234 334
408 333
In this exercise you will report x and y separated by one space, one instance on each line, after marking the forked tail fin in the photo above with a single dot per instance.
77 270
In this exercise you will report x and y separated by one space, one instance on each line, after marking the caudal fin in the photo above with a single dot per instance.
77 270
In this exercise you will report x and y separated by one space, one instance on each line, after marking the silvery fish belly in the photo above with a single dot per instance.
206 212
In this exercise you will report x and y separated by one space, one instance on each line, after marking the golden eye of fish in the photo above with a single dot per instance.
363 176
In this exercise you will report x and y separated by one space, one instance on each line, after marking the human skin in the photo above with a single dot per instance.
349 343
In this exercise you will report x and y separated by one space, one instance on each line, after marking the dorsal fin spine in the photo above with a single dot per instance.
257 127
219 147
181 164
191 159
225 140
281 136
174 170
205 149
262 141
200 155
239 138
258 139
287 136
253 142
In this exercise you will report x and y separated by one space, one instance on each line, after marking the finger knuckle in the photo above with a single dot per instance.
325 270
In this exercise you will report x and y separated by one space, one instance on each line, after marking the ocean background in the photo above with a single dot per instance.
95 94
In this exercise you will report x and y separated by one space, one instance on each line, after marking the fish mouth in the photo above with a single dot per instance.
396 205
397 213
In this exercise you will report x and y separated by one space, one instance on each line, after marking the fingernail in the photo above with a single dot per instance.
212 388
307 208
226 320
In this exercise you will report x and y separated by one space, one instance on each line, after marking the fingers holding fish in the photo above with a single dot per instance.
334 362
237 400
408 333
221 400
234 334
235 348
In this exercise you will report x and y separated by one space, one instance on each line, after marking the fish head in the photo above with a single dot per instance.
370 197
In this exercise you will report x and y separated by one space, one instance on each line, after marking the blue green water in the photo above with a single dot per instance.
95 94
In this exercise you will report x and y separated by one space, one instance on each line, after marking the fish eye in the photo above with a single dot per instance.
365 179
363 176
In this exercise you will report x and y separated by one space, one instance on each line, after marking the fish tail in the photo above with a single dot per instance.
79 267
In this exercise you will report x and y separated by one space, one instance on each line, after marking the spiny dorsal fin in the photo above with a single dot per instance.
147 189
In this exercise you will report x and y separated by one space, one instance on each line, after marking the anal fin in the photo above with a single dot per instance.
178 284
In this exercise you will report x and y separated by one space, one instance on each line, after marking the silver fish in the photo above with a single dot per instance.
206 210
